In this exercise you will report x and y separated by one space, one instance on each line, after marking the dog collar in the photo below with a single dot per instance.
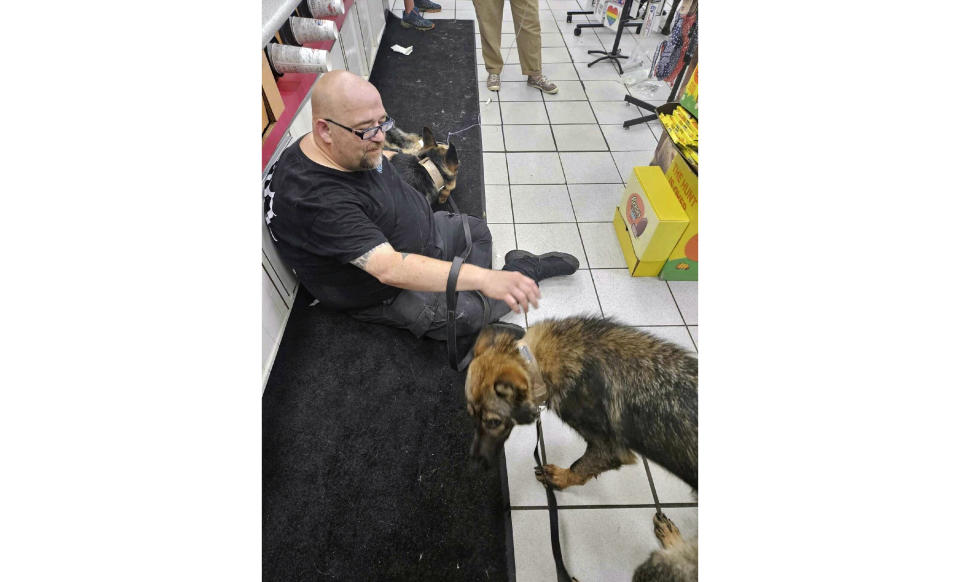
434 172
539 386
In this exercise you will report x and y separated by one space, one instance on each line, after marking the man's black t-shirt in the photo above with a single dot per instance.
321 219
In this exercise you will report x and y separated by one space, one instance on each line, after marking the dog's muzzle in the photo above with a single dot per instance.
485 449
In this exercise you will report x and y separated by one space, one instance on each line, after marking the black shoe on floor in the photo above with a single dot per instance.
540 267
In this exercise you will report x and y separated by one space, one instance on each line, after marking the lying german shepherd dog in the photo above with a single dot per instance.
625 391
430 167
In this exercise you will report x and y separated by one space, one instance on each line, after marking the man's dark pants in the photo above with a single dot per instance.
425 312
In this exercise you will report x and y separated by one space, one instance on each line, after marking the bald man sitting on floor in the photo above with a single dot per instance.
364 242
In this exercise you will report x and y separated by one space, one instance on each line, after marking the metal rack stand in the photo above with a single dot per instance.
625 21
687 57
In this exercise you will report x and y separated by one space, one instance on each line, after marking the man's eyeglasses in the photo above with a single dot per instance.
370 132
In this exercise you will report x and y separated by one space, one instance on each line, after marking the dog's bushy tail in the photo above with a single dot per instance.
678 564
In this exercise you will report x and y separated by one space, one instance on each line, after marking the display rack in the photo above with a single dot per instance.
687 57
644 105
625 21
275 13
294 88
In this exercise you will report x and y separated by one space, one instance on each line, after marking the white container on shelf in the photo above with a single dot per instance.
296 59
312 30
321 8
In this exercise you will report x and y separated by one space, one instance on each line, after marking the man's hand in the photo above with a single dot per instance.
517 290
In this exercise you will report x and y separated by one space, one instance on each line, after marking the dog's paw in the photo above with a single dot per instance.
666 531
556 477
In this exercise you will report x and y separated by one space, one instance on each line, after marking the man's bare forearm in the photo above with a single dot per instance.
420 273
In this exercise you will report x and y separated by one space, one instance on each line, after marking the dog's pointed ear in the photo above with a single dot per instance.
490 335
484 340
514 331
428 139
450 160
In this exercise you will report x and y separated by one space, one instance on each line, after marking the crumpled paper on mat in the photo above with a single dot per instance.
402 50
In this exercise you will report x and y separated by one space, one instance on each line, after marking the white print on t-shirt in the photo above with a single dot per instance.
268 200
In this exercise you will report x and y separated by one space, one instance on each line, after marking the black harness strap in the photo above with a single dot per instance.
562 575
456 363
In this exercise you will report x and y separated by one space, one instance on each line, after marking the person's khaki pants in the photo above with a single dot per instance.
526 24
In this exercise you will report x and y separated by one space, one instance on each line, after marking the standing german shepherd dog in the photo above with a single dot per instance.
429 167
625 391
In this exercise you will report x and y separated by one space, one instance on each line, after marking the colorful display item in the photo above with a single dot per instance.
691 93
610 12
681 265
649 221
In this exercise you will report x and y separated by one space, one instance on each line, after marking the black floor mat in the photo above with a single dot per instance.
365 430
436 85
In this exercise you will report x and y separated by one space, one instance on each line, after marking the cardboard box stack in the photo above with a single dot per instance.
649 221
682 263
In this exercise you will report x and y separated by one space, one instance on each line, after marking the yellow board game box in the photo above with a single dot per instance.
649 221
681 265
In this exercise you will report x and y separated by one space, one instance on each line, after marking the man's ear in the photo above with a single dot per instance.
428 139
322 130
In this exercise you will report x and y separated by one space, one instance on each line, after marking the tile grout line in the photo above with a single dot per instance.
653 488
563 173
513 216
675 504
596 292
682 318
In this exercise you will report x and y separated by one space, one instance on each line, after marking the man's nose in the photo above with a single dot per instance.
379 136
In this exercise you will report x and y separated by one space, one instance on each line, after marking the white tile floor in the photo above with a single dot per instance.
554 168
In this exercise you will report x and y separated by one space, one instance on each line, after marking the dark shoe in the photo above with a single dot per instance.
426 6
414 19
540 267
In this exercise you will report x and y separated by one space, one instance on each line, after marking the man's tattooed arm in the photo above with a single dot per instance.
363 259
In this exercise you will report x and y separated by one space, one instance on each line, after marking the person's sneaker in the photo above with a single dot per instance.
542 83
426 6
414 19
493 82
540 267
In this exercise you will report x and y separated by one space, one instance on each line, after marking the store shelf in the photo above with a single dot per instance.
275 13
294 87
